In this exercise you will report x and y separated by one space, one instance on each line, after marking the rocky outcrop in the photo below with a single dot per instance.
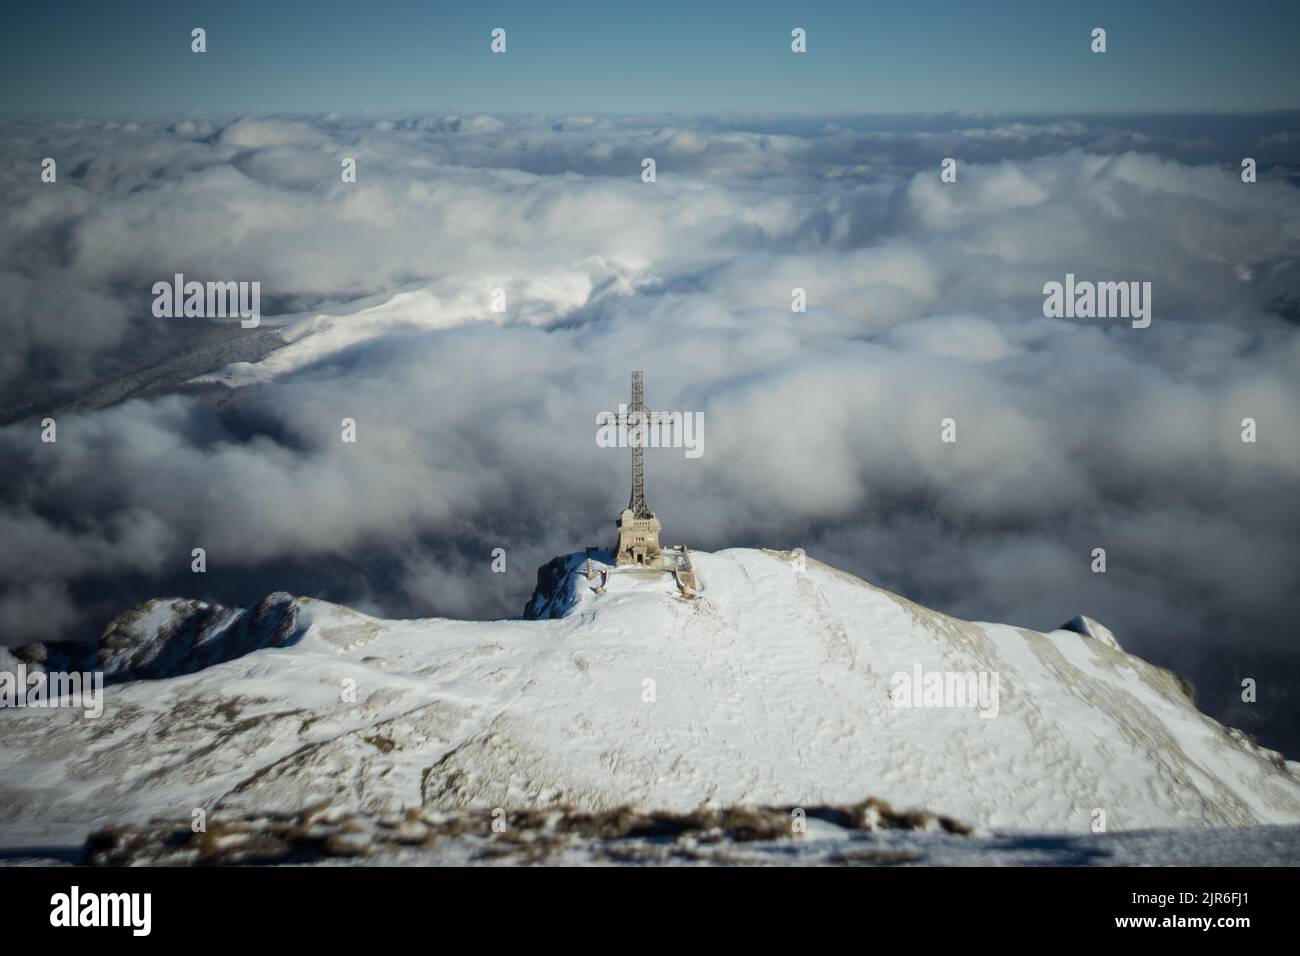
167 637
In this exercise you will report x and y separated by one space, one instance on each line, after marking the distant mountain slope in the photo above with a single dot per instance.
172 636
775 686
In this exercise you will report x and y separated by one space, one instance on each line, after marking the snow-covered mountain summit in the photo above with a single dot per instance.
782 682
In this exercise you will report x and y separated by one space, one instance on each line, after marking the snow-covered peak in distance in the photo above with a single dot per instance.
543 300
781 683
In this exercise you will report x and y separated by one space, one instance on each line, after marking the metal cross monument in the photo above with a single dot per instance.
638 528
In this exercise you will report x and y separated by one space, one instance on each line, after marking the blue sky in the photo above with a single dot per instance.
133 57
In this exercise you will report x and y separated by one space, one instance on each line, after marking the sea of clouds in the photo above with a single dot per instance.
477 430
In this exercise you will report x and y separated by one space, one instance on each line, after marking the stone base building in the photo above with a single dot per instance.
638 539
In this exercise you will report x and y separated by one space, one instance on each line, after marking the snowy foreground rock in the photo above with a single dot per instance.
774 687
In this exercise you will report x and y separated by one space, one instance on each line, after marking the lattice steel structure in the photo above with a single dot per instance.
636 412
638 528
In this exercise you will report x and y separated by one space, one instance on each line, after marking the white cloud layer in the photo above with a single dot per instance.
476 430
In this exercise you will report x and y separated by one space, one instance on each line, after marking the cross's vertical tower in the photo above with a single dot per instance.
636 413
638 528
